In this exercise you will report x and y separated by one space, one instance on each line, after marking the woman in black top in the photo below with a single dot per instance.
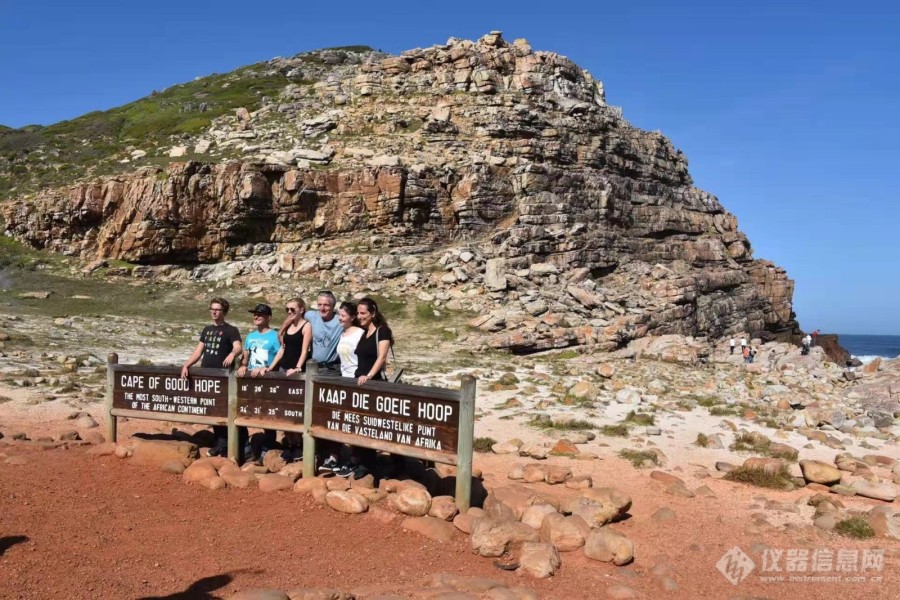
372 350
296 339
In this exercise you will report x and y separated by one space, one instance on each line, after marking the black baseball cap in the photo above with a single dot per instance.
262 309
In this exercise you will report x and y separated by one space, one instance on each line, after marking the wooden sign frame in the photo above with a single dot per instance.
431 424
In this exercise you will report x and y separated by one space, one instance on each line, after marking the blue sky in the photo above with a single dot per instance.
786 110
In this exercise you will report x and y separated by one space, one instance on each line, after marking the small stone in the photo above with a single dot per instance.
620 592
663 514
535 514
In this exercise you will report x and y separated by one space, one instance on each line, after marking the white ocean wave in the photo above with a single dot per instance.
867 358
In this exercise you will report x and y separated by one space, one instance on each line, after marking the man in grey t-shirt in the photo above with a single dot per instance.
326 334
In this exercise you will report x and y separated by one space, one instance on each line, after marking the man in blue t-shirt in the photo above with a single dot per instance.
326 334
260 348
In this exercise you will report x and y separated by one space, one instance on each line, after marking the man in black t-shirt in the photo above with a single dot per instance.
219 347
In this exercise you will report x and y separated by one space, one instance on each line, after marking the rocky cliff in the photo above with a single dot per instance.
577 228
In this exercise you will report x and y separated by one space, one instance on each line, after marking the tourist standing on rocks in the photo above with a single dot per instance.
745 352
743 344
731 345
805 344
815 337
297 336
326 331
219 347
261 348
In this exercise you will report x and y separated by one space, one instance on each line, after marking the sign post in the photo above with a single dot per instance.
233 450
465 443
309 442
112 359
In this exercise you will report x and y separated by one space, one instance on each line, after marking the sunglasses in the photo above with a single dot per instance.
289 309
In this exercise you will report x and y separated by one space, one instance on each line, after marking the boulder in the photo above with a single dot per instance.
156 453
199 471
260 594
491 537
348 502
819 472
538 559
607 545
534 515
599 506
275 483
566 533
877 491
443 507
274 461
412 501
235 477
431 527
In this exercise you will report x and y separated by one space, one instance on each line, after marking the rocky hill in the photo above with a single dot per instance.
481 175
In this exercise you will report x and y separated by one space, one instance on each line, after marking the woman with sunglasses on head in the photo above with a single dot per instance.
296 339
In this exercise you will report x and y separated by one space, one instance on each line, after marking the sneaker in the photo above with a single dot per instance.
330 464
345 471
217 451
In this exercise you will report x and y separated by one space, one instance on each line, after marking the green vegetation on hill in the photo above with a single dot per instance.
36 157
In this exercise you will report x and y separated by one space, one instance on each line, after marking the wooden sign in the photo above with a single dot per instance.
384 415
272 398
162 390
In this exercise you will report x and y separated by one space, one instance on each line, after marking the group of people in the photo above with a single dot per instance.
352 340
747 352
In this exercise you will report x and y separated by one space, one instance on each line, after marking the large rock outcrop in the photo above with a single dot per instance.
512 152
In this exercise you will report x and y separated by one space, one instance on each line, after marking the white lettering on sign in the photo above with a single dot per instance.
395 406
435 412
329 396
132 381
360 401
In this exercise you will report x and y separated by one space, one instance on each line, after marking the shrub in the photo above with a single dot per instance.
855 527
483 444
639 418
780 480
639 457
614 430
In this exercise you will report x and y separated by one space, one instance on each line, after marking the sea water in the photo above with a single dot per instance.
869 347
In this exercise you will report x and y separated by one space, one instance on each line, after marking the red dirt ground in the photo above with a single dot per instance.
76 526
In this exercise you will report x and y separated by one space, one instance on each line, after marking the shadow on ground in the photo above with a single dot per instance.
199 590
10 541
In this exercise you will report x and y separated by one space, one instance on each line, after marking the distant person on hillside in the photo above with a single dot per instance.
261 348
815 337
731 345
745 352
752 355
743 344
219 347
805 344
